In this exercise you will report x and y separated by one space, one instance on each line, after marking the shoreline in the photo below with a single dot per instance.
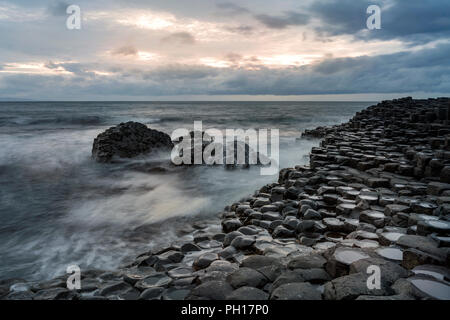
376 192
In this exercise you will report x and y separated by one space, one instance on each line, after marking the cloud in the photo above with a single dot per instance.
126 51
290 18
58 8
241 29
179 38
426 70
232 9
412 20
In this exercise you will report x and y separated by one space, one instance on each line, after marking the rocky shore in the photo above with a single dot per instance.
376 193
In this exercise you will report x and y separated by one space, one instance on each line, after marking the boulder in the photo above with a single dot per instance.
128 140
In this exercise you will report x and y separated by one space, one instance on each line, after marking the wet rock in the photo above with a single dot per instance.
171 256
231 225
211 290
19 295
180 272
423 207
54 294
229 237
420 243
440 227
156 280
352 286
248 293
375 218
189 247
393 209
119 290
437 272
431 287
175 294
334 224
388 238
282 232
204 260
242 242
393 254
296 291
339 262
307 262
390 271
247 277
269 266
152 294
135 274
312 214
128 140
414 257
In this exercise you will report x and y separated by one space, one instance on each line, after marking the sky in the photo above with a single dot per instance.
224 50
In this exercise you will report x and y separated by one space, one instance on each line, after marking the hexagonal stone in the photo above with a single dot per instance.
376 218
231 225
54 294
339 262
437 272
204 260
388 238
157 280
180 272
393 254
211 290
432 288
352 286
345 208
296 291
440 227
390 271
119 289
282 232
248 293
189 247
175 294
151 294
307 262
334 224
247 277
135 274
423 207
392 209
242 242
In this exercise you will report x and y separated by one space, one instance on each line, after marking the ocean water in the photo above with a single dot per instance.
58 207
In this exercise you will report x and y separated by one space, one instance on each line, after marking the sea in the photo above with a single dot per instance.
58 207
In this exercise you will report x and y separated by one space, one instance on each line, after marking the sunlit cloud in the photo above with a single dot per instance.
33 68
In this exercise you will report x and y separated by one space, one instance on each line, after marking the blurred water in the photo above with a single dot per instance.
58 207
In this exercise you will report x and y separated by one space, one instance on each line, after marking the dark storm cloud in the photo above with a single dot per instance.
412 20
289 18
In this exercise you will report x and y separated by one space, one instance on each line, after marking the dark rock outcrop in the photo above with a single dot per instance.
128 140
